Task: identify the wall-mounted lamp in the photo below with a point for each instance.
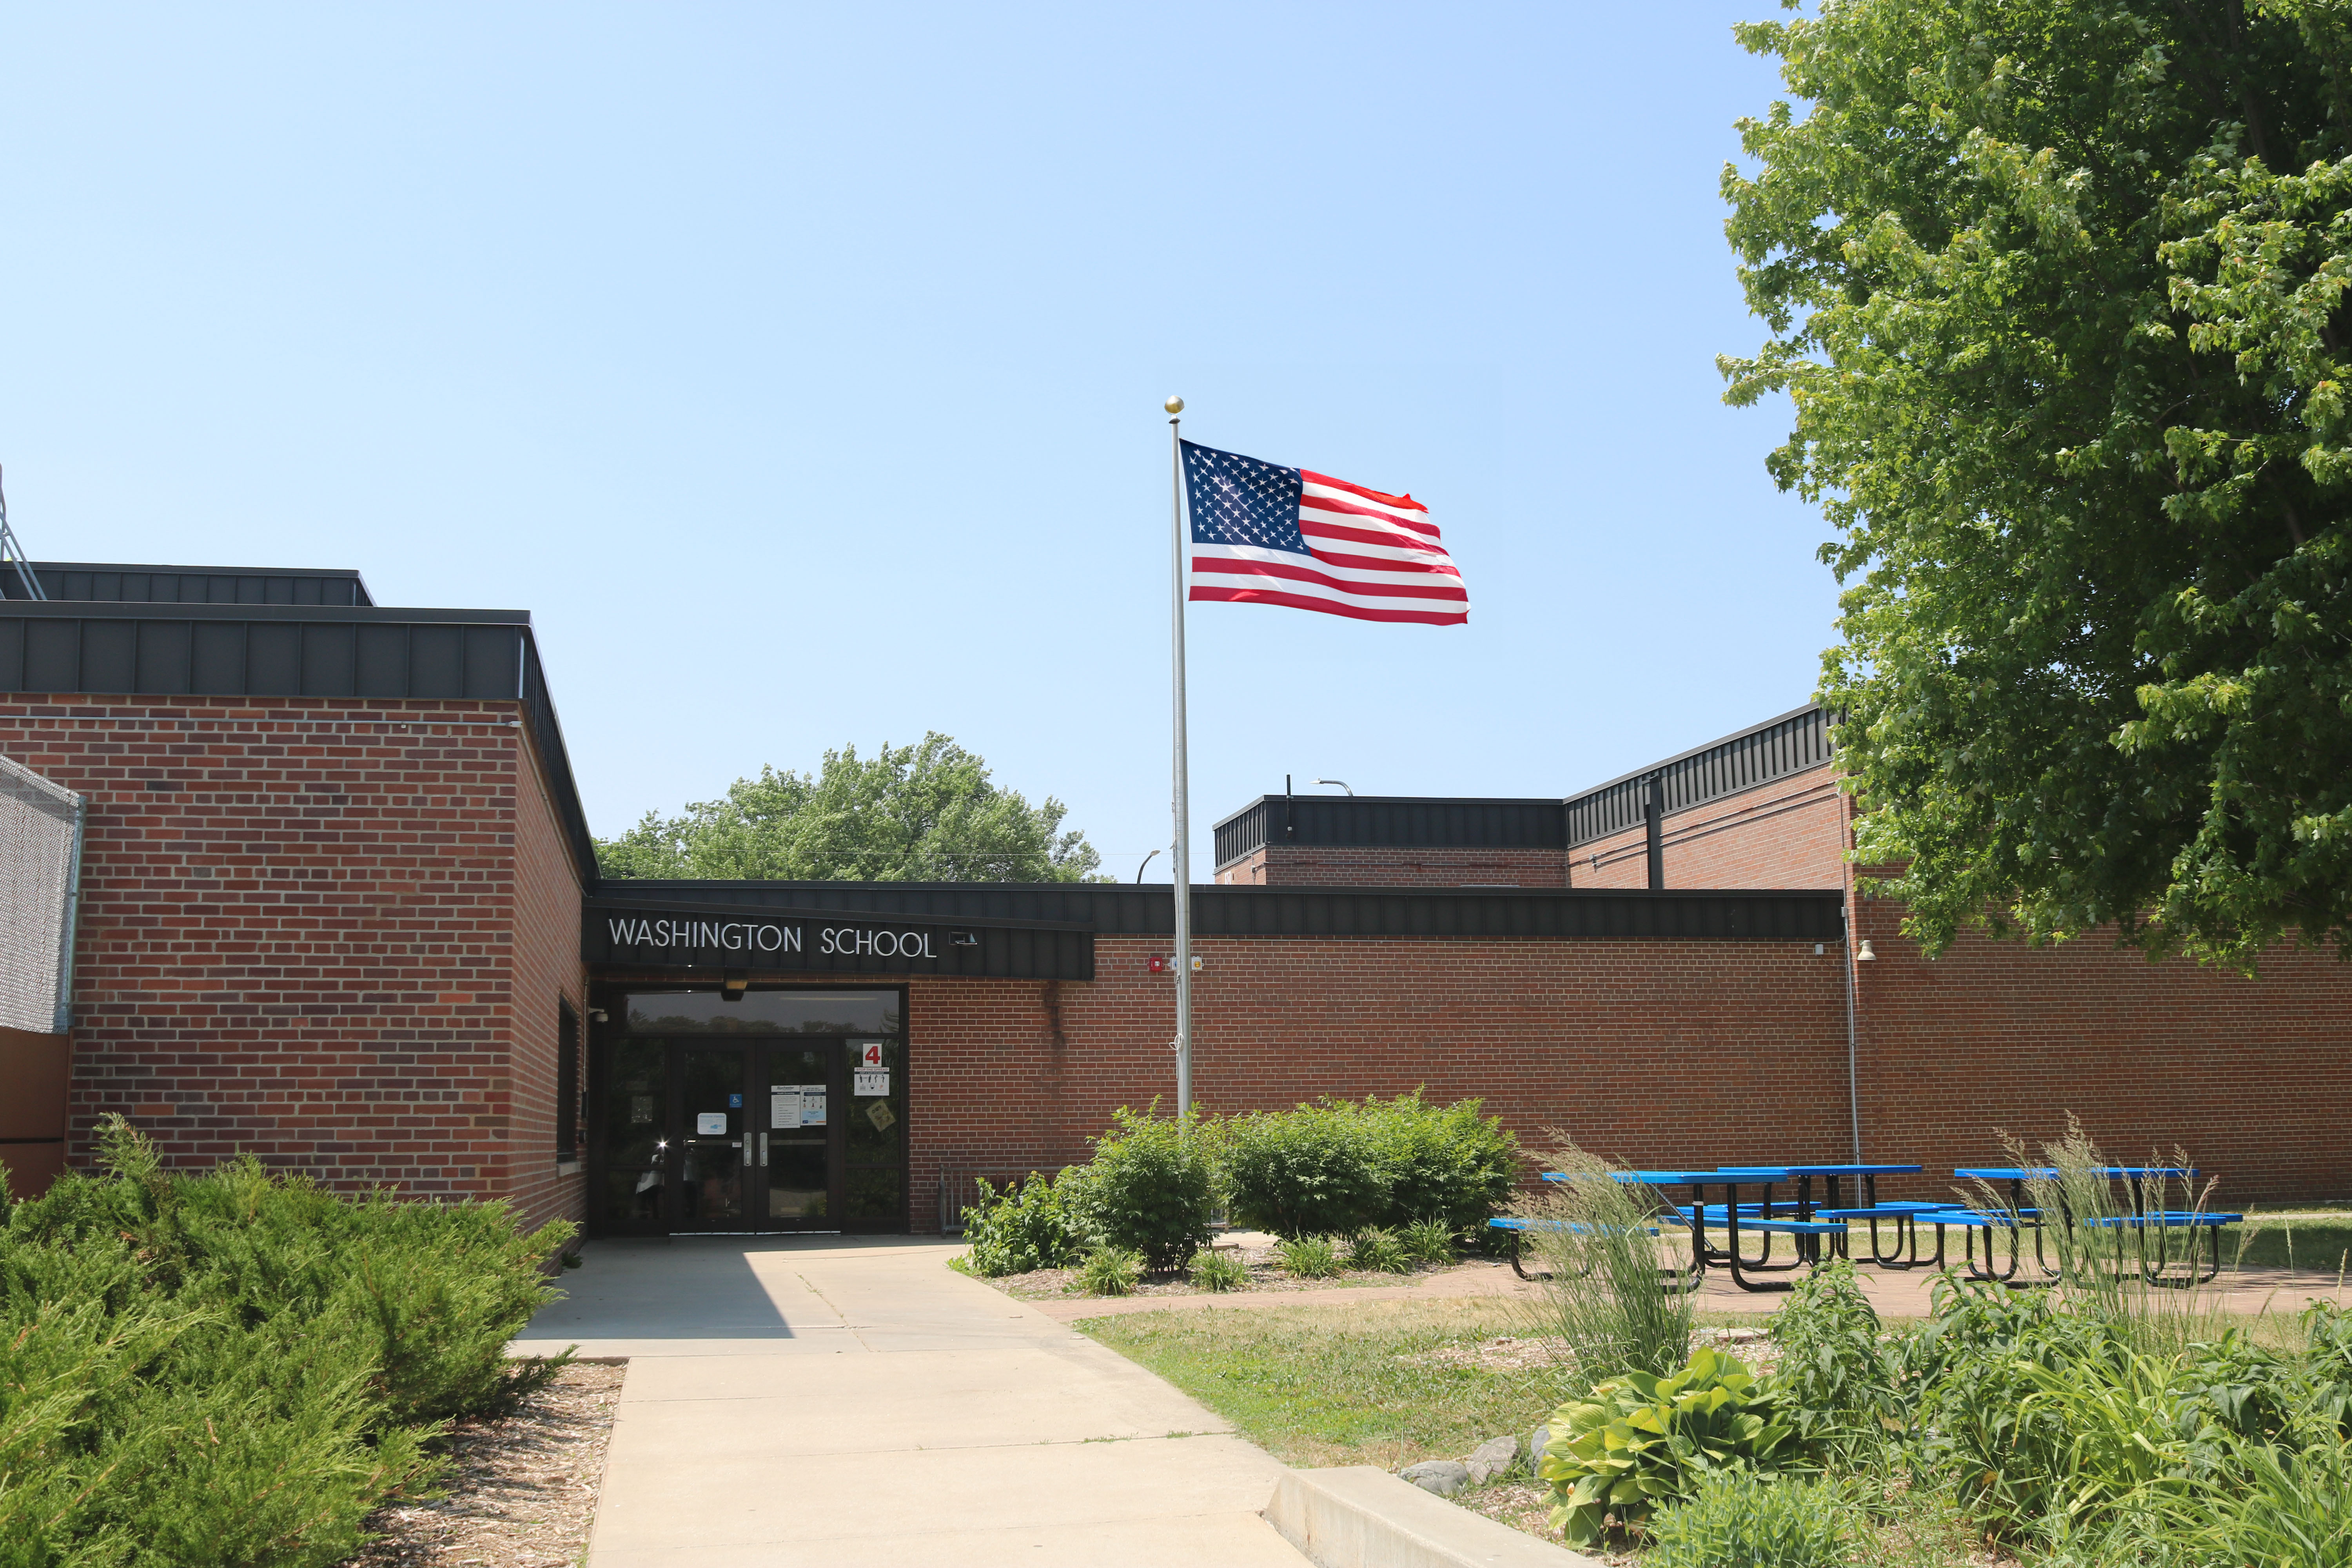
(1341, 783)
(964, 939)
(1866, 955)
(597, 1013)
(732, 984)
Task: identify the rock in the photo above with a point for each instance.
(1536, 1449)
(1444, 1476)
(1490, 1458)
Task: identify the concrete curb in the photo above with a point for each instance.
(1358, 1516)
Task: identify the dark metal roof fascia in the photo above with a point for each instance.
(169, 665)
(1394, 800)
(1391, 822)
(1149, 909)
(45, 570)
(1642, 773)
(607, 898)
(1749, 759)
(1106, 907)
(144, 610)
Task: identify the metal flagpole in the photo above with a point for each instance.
(1183, 1041)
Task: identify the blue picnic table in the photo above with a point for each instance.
(2018, 1218)
(1813, 1235)
(1821, 1231)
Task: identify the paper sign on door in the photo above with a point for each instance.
(877, 1081)
(793, 1105)
(710, 1124)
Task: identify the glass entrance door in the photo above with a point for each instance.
(800, 1155)
(777, 1111)
(713, 1124)
(760, 1146)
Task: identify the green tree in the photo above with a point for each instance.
(924, 812)
(2057, 289)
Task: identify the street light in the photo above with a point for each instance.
(1341, 783)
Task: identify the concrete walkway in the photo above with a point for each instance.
(853, 1401)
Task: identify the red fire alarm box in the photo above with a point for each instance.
(1157, 963)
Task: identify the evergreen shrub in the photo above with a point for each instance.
(233, 1370)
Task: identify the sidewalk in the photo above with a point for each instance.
(851, 1401)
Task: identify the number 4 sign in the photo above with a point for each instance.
(869, 1054)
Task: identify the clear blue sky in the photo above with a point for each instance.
(800, 369)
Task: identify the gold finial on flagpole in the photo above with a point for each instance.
(1175, 406)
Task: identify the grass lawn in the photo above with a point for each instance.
(2316, 1243)
(1384, 1384)
(1389, 1383)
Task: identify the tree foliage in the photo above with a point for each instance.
(924, 812)
(2058, 291)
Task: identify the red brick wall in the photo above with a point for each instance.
(1667, 1052)
(2250, 1077)
(304, 943)
(1789, 833)
(1307, 866)
(547, 969)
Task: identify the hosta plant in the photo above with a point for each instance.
(1642, 1440)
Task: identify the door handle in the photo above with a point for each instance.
(763, 1151)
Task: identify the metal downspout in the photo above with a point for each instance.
(1852, 1088)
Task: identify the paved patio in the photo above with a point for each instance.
(852, 1400)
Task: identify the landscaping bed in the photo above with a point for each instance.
(1260, 1258)
(2102, 1421)
(239, 1369)
(518, 1491)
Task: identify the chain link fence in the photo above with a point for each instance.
(40, 872)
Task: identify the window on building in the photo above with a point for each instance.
(567, 1083)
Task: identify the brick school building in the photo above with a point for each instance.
(337, 905)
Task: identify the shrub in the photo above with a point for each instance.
(1214, 1270)
(1835, 1382)
(1111, 1271)
(1606, 1297)
(1642, 1440)
(1339, 1167)
(236, 1368)
(1736, 1518)
(1429, 1241)
(1027, 1226)
(1150, 1188)
(1309, 1256)
(1307, 1172)
(1447, 1161)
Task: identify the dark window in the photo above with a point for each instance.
(788, 1012)
(567, 1083)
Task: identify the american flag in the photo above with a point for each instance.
(1269, 535)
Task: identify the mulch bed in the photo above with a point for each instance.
(1265, 1273)
(520, 1491)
